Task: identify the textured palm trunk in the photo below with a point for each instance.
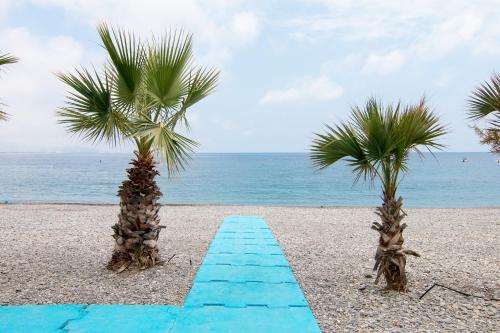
(136, 233)
(390, 258)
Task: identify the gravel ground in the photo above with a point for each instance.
(57, 254)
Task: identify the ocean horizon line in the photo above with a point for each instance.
(446, 179)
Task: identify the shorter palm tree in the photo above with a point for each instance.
(6, 59)
(376, 143)
(484, 103)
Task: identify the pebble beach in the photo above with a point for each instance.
(58, 253)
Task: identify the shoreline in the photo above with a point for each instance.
(229, 205)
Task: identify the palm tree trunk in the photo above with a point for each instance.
(137, 230)
(390, 258)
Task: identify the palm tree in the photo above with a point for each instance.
(376, 143)
(6, 59)
(484, 103)
(141, 95)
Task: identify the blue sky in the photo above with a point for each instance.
(288, 67)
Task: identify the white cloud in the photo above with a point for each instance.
(39, 57)
(219, 26)
(4, 8)
(421, 30)
(367, 19)
(446, 37)
(31, 90)
(33, 93)
(385, 63)
(373, 37)
(245, 26)
(449, 35)
(315, 89)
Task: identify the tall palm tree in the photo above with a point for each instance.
(484, 103)
(141, 95)
(376, 143)
(6, 59)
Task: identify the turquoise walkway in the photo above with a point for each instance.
(244, 285)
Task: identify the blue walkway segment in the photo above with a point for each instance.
(244, 285)
(254, 273)
(124, 318)
(246, 294)
(214, 319)
(247, 259)
(47, 318)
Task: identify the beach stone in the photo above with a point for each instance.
(58, 253)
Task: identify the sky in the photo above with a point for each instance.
(288, 67)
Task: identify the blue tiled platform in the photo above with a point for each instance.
(244, 285)
(246, 320)
(38, 318)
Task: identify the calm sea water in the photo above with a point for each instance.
(250, 179)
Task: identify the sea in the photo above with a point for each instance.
(272, 179)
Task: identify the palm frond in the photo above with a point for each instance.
(495, 122)
(375, 126)
(376, 141)
(341, 142)
(200, 84)
(4, 115)
(6, 59)
(418, 126)
(142, 94)
(89, 110)
(485, 99)
(127, 57)
(167, 63)
(173, 148)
